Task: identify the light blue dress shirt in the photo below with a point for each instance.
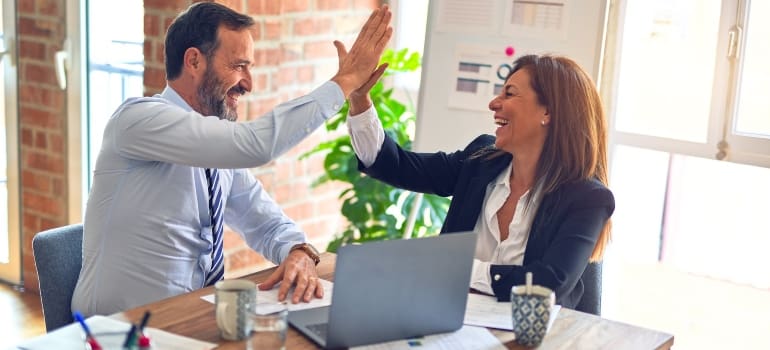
(147, 224)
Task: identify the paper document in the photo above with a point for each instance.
(467, 337)
(110, 334)
(271, 296)
(486, 311)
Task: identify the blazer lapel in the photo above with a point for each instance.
(467, 202)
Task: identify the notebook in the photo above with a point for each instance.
(392, 290)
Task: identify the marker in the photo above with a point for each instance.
(89, 337)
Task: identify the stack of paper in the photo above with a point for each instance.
(110, 334)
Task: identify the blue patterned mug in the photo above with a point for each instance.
(531, 311)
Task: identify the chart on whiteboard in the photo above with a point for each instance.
(479, 76)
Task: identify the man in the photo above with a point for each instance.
(172, 168)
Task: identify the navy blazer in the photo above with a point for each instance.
(564, 231)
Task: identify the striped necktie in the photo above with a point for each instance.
(215, 209)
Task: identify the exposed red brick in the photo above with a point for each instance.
(30, 223)
(299, 210)
(56, 143)
(30, 116)
(271, 7)
(160, 53)
(41, 141)
(267, 57)
(332, 4)
(244, 262)
(255, 7)
(50, 7)
(288, 6)
(231, 239)
(305, 74)
(27, 138)
(32, 50)
(58, 187)
(46, 224)
(35, 27)
(320, 49)
(236, 5)
(154, 79)
(152, 25)
(44, 162)
(176, 5)
(366, 4)
(272, 30)
(39, 73)
(312, 26)
(261, 106)
(286, 76)
(34, 181)
(25, 7)
(259, 82)
(42, 204)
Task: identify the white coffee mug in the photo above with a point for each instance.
(235, 301)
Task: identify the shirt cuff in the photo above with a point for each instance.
(330, 97)
(480, 280)
(366, 135)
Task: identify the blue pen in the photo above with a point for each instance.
(89, 337)
(129, 343)
(144, 340)
(145, 318)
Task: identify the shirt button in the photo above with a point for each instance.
(336, 106)
(497, 277)
(307, 130)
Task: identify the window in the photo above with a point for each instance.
(690, 156)
(115, 65)
(686, 75)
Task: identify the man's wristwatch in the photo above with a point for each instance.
(309, 250)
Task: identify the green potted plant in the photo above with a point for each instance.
(374, 210)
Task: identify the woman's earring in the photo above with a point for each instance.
(542, 122)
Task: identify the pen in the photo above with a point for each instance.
(144, 340)
(89, 337)
(145, 318)
(130, 337)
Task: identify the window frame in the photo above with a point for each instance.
(722, 142)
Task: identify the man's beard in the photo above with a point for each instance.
(213, 99)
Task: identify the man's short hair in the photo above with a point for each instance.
(197, 27)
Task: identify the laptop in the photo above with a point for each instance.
(392, 290)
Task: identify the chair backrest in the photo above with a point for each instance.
(58, 257)
(591, 302)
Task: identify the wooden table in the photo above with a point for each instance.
(191, 316)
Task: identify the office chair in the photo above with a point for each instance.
(591, 302)
(58, 256)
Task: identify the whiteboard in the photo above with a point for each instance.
(470, 46)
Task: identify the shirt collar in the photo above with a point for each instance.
(504, 179)
(170, 94)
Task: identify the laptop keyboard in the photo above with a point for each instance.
(319, 329)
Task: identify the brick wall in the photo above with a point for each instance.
(42, 122)
(294, 54)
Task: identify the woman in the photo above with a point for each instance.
(535, 193)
